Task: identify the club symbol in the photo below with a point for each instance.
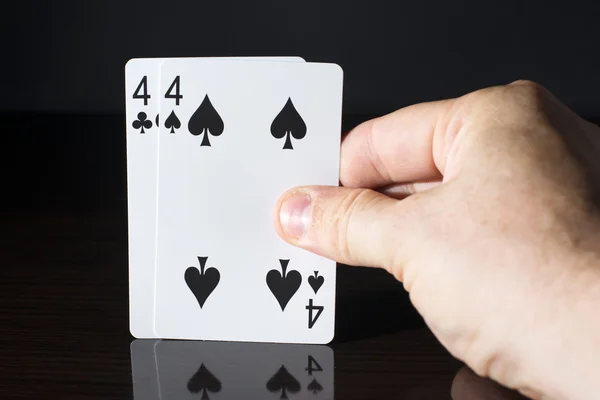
(204, 381)
(288, 123)
(142, 122)
(315, 387)
(283, 286)
(156, 120)
(206, 120)
(284, 383)
(202, 283)
(172, 122)
(316, 281)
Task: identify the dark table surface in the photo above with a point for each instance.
(64, 291)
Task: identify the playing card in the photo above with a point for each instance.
(143, 370)
(249, 131)
(143, 96)
(221, 370)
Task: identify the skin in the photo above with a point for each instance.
(485, 207)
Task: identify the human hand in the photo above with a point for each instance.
(481, 208)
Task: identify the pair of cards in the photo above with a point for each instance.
(211, 144)
(216, 370)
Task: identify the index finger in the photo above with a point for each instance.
(407, 145)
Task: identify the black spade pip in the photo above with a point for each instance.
(172, 122)
(206, 120)
(284, 383)
(289, 124)
(316, 281)
(203, 282)
(283, 285)
(315, 387)
(203, 381)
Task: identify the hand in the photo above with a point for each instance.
(480, 207)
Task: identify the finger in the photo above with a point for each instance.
(402, 190)
(404, 146)
(350, 226)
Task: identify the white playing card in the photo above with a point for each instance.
(220, 263)
(143, 95)
(219, 371)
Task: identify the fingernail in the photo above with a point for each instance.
(295, 215)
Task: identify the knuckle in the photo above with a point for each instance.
(519, 102)
(521, 92)
(528, 92)
(401, 263)
(526, 83)
(377, 164)
(396, 269)
(343, 218)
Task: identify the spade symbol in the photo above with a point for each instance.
(202, 283)
(156, 120)
(283, 286)
(284, 383)
(315, 387)
(288, 123)
(206, 120)
(142, 122)
(316, 281)
(204, 381)
(172, 122)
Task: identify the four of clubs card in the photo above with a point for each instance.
(237, 133)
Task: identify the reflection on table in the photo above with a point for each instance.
(227, 370)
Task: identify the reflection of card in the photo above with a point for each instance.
(217, 370)
(143, 370)
(143, 96)
(248, 131)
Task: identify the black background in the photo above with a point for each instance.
(69, 55)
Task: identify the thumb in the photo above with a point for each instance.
(350, 226)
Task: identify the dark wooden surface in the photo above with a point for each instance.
(64, 290)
